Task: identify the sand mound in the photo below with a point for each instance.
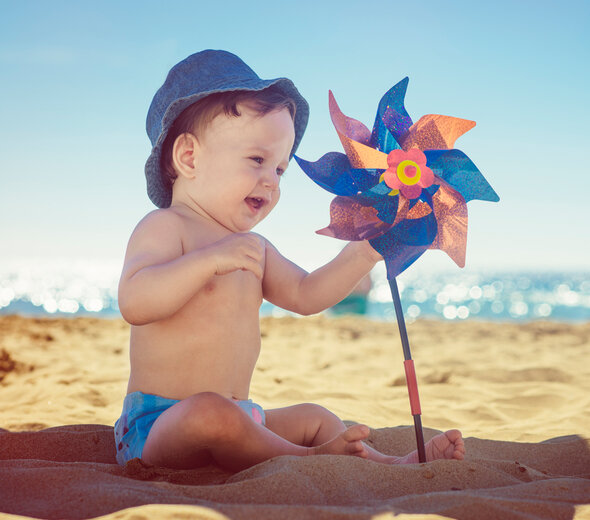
(70, 472)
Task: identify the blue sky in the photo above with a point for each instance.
(78, 77)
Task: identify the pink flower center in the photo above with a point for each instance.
(410, 171)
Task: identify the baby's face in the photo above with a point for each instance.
(238, 166)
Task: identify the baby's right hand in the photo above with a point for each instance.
(239, 251)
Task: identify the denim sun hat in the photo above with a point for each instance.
(206, 72)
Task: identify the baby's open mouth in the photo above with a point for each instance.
(255, 202)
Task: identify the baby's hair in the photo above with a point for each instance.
(195, 118)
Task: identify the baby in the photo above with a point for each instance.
(195, 275)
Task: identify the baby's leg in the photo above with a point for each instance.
(208, 428)
(314, 426)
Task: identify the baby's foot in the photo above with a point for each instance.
(348, 442)
(448, 445)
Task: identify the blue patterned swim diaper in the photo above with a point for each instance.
(140, 412)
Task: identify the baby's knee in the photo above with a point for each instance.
(213, 415)
(319, 412)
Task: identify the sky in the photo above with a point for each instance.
(77, 79)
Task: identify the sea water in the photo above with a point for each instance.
(89, 288)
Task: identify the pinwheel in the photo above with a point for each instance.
(403, 187)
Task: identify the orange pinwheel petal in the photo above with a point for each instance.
(435, 132)
(451, 215)
(419, 210)
(355, 136)
(361, 156)
(350, 220)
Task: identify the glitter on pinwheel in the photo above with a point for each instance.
(403, 187)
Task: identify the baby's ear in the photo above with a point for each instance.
(184, 154)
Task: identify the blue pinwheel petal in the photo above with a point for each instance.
(384, 141)
(332, 172)
(425, 196)
(392, 120)
(431, 190)
(398, 257)
(378, 196)
(411, 232)
(395, 265)
(366, 179)
(455, 168)
(417, 232)
(404, 243)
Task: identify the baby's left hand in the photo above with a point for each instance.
(364, 248)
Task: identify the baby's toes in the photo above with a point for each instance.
(356, 433)
(454, 436)
(357, 448)
(459, 453)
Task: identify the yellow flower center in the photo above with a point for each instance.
(401, 173)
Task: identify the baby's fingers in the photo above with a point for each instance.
(257, 246)
(254, 267)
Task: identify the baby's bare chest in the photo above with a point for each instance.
(238, 293)
(238, 290)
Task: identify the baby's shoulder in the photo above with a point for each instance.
(161, 223)
(160, 217)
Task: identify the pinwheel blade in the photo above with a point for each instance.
(404, 243)
(348, 126)
(455, 168)
(392, 121)
(435, 132)
(355, 139)
(351, 220)
(451, 217)
(331, 172)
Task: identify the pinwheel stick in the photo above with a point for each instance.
(410, 372)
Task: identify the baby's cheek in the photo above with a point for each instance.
(276, 195)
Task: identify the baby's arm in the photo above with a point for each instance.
(158, 279)
(292, 288)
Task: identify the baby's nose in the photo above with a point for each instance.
(271, 178)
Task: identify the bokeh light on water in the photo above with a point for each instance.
(89, 287)
(497, 296)
(59, 287)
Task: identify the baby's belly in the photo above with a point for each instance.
(178, 358)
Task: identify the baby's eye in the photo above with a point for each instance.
(257, 159)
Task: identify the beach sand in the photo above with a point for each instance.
(519, 392)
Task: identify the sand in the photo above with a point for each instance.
(520, 394)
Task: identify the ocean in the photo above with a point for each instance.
(89, 288)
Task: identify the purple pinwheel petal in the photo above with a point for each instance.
(397, 124)
(455, 168)
(332, 172)
(351, 220)
(348, 126)
(392, 120)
